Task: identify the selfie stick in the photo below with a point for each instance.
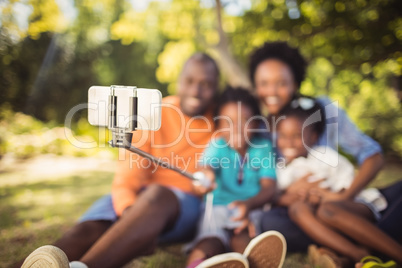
(121, 138)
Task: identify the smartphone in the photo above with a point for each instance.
(124, 107)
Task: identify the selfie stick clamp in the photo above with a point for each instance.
(121, 137)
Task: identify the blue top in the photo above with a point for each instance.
(341, 132)
(239, 178)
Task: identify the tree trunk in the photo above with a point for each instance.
(230, 67)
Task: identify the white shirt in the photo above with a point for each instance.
(336, 177)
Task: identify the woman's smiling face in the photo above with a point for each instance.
(275, 84)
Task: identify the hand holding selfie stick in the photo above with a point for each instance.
(132, 103)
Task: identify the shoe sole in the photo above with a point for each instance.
(321, 258)
(326, 261)
(268, 250)
(226, 260)
(46, 257)
(313, 255)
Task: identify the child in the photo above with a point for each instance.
(313, 175)
(241, 170)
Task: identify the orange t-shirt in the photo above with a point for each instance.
(180, 141)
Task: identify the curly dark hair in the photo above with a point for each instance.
(238, 94)
(283, 52)
(295, 109)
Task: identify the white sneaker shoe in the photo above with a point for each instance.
(78, 264)
(46, 257)
(226, 260)
(50, 257)
(268, 250)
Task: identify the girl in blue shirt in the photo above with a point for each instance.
(240, 166)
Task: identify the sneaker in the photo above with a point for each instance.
(314, 255)
(268, 250)
(226, 260)
(46, 257)
(326, 258)
(375, 262)
(78, 264)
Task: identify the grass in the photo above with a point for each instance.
(36, 210)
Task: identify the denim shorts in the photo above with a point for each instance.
(216, 222)
(391, 220)
(183, 230)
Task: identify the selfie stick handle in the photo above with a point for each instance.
(122, 139)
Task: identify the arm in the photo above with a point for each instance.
(364, 149)
(264, 196)
(266, 175)
(367, 172)
(297, 191)
(285, 199)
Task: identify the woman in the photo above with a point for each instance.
(277, 72)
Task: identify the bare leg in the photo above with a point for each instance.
(303, 215)
(356, 208)
(359, 228)
(205, 249)
(81, 237)
(155, 210)
(239, 242)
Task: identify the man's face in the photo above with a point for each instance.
(198, 85)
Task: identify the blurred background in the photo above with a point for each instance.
(52, 51)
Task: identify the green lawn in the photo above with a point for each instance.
(35, 212)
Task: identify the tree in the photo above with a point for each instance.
(353, 48)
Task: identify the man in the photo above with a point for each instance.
(150, 205)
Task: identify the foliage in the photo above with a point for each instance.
(23, 136)
(47, 73)
(353, 48)
(354, 53)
